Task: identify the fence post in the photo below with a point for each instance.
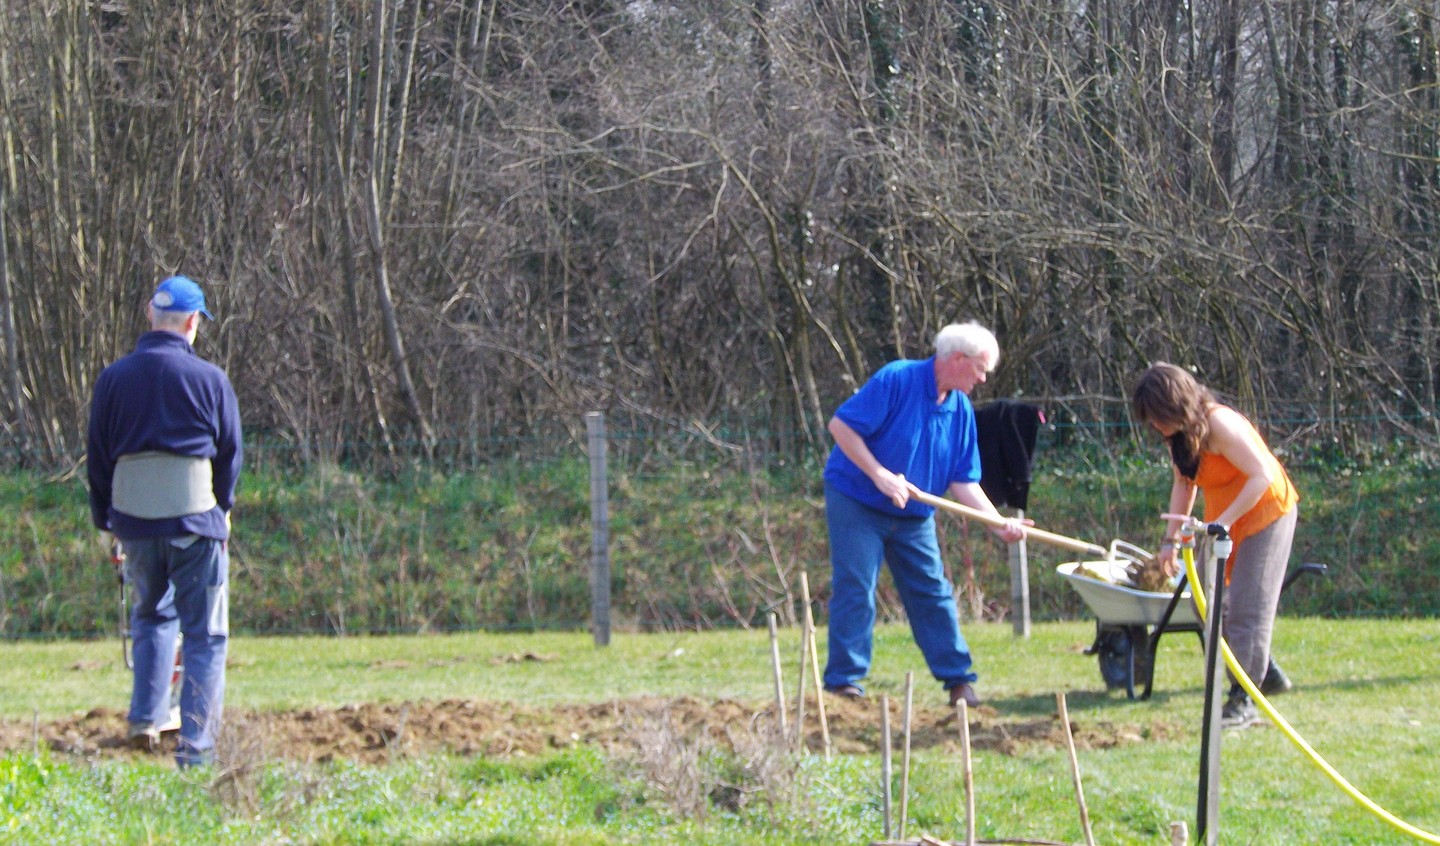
(1019, 584)
(599, 530)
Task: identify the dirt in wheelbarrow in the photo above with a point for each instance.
(382, 733)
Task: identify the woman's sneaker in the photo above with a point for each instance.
(1239, 712)
(1275, 681)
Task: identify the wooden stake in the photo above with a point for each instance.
(815, 663)
(779, 689)
(885, 759)
(1179, 834)
(1075, 769)
(804, 674)
(962, 715)
(905, 757)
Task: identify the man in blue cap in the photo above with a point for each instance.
(163, 458)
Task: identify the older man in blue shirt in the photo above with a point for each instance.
(911, 423)
(163, 458)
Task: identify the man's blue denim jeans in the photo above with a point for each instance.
(860, 539)
(181, 584)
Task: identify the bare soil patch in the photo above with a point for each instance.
(379, 733)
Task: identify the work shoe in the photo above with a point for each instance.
(965, 692)
(1239, 712)
(1275, 681)
(172, 723)
(849, 691)
(143, 736)
(187, 758)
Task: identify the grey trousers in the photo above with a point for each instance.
(1253, 593)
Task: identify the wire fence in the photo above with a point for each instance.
(640, 441)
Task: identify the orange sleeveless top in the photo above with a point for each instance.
(1221, 481)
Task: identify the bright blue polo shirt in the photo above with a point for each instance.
(932, 444)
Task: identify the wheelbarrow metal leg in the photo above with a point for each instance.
(1153, 642)
(1130, 667)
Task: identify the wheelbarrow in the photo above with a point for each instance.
(1129, 621)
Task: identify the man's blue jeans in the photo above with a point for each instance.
(181, 584)
(860, 539)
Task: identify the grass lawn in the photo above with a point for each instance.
(1364, 699)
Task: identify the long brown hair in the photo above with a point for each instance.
(1169, 395)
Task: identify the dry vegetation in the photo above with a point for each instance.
(432, 226)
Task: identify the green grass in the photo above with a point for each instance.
(694, 548)
(1364, 699)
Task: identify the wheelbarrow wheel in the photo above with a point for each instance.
(1124, 655)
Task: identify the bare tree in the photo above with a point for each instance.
(445, 226)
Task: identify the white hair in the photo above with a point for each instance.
(169, 320)
(970, 338)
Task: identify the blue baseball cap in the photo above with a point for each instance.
(180, 293)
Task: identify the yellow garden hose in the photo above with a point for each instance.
(1289, 730)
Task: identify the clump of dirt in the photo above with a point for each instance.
(379, 733)
(1149, 576)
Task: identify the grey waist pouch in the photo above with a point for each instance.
(160, 485)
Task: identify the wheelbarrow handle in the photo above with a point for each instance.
(1308, 568)
(1031, 533)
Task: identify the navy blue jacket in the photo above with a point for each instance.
(163, 397)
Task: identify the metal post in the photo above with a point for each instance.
(599, 530)
(1207, 812)
(1019, 584)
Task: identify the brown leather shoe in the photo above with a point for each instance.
(965, 692)
(849, 691)
(143, 736)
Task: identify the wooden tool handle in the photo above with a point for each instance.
(1031, 533)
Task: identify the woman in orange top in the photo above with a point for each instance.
(1216, 451)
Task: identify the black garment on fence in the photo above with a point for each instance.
(1006, 430)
